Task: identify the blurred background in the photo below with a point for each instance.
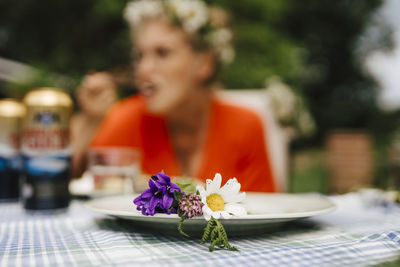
(339, 58)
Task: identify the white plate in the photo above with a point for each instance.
(266, 212)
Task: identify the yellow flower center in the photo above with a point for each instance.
(191, 14)
(215, 202)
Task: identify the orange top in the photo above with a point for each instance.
(234, 147)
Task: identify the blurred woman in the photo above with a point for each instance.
(176, 121)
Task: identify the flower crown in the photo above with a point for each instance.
(193, 16)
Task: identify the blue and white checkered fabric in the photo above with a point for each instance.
(351, 236)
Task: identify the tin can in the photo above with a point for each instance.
(11, 115)
(45, 149)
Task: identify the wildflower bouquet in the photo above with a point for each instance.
(212, 202)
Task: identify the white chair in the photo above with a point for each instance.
(277, 138)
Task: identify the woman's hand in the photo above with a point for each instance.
(97, 94)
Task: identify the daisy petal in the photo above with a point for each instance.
(201, 190)
(207, 216)
(208, 182)
(231, 187)
(235, 209)
(213, 185)
(225, 215)
(206, 210)
(234, 198)
(216, 214)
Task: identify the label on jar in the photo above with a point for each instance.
(46, 155)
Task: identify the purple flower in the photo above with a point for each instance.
(159, 196)
(191, 205)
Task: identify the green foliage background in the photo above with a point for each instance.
(310, 44)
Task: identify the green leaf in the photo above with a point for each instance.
(216, 234)
(207, 232)
(178, 195)
(175, 204)
(211, 247)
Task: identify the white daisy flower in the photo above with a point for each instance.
(306, 123)
(192, 13)
(226, 54)
(222, 201)
(174, 5)
(282, 99)
(221, 41)
(221, 37)
(137, 11)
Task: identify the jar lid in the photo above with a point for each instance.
(48, 96)
(12, 108)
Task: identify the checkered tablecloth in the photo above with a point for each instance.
(354, 235)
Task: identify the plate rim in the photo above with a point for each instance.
(268, 216)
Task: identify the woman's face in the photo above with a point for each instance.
(167, 69)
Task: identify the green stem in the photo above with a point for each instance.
(180, 224)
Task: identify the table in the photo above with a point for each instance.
(353, 235)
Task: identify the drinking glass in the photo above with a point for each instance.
(114, 169)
